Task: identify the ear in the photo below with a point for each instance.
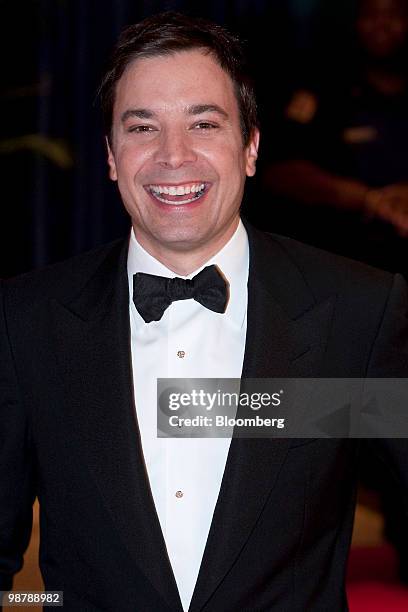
(111, 162)
(251, 151)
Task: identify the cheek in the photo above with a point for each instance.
(232, 163)
(364, 29)
(130, 160)
(400, 30)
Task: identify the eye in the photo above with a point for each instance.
(205, 125)
(139, 129)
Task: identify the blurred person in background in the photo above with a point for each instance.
(338, 156)
(338, 168)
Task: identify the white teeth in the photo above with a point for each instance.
(179, 190)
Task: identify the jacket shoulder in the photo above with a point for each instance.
(328, 272)
(67, 277)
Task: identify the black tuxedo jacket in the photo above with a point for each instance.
(282, 525)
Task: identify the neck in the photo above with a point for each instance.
(184, 261)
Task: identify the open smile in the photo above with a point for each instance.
(178, 195)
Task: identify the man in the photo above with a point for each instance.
(338, 156)
(133, 522)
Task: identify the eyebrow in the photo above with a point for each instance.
(139, 113)
(198, 109)
(195, 109)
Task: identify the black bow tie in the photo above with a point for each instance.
(153, 294)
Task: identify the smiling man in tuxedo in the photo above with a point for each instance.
(130, 521)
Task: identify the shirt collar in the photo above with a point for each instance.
(232, 260)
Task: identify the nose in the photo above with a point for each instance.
(174, 149)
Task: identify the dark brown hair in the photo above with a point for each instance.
(168, 33)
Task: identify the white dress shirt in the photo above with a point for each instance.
(185, 474)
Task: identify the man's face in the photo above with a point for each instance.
(178, 155)
(382, 27)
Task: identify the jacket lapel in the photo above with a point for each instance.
(286, 335)
(92, 336)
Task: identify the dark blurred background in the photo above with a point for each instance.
(331, 78)
(332, 86)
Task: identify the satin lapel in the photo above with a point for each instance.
(286, 335)
(92, 335)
